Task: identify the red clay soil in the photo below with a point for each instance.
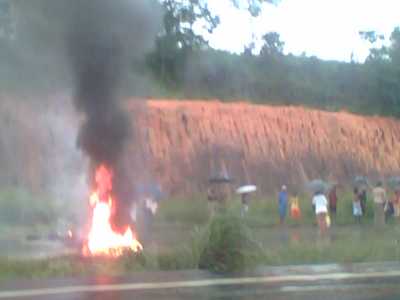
(180, 143)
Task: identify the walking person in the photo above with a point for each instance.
(357, 211)
(150, 209)
(245, 205)
(333, 200)
(282, 201)
(294, 202)
(321, 209)
(379, 200)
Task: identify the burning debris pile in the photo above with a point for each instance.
(103, 37)
(102, 240)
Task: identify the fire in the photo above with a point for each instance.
(70, 233)
(102, 240)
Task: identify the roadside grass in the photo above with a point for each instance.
(373, 249)
(225, 245)
(221, 244)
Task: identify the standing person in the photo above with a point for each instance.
(245, 205)
(357, 212)
(333, 200)
(133, 211)
(389, 209)
(321, 209)
(222, 195)
(282, 200)
(379, 199)
(363, 200)
(396, 204)
(210, 200)
(150, 209)
(294, 202)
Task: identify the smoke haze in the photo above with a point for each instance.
(103, 37)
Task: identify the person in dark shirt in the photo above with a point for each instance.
(211, 200)
(363, 200)
(282, 202)
(333, 200)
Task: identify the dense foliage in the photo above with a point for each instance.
(190, 69)
(197, 71)
(183, 65)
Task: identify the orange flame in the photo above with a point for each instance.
(102, 240)
(70, 233)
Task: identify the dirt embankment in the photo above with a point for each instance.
(180, 143)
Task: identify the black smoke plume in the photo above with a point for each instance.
(103, 38)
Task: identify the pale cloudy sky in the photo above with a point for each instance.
(327, 29)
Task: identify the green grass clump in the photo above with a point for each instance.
(58, 267)
(227, 246)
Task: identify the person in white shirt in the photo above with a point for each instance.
(134, 212)
(150, 208)
(321, 210)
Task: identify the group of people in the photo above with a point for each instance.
(325, 209)
(149, 207)
(284, 200)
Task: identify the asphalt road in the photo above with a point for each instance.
(328, 282)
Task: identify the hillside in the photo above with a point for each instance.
(180, 143)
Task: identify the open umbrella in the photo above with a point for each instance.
(247, 188)
(359, 180)
(150, 189)
(221, 177)
(394, 181)
(317, 185)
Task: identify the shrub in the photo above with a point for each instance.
(226, 246)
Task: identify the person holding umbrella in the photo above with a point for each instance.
(321, 210)
(211, 200)
(221, 179)
(245, 191)
(282, 201)
(363, 200)
(357, 211)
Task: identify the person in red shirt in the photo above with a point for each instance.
(333, 200)
(396, 204)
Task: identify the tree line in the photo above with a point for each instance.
(182, 65)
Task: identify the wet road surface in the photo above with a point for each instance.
(328, 282)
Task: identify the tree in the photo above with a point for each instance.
(178, 38)
(384, 66)
(273, 46)
(253, 6)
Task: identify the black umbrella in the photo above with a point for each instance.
(317, 185)
(221, 177)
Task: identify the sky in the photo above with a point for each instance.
(328, 29)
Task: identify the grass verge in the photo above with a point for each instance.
(225, 246)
